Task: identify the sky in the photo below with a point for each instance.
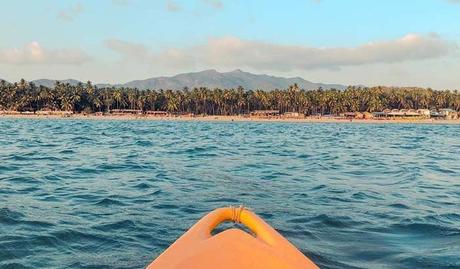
(379, 42)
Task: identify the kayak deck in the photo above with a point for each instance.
(232, 248)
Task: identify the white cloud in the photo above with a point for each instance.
(232, 52)
(454, 1)
(71, 13)
(121, 2)
(133, 51)
(34, 53)
(172, 6)
(214, 3)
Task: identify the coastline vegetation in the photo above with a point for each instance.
(87, 98)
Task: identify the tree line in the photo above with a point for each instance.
(88, 98)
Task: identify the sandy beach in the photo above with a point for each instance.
(230, 119)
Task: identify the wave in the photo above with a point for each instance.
(115, 194)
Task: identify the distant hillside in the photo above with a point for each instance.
(214, 79)
(211, 79)
(50, 83)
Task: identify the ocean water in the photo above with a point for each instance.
(115, 194)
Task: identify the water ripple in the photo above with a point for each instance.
(115, 194)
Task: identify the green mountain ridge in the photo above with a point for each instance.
(210, 79)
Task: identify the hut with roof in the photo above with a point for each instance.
(157, 113)
(291, 114)
(125, 112)
(448, 114)
(265, 113)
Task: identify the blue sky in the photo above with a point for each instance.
(385, 42)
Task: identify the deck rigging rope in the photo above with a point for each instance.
(236, 213)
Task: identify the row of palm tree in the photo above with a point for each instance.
(87, 98)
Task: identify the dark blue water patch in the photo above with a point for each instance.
(82, 196)
(109, 202)
(28, 190)
(18, 158)
(193, 210)
(452, 217)
(399, 206)
(34, 157)
(67, 151)
(425, 262)
(127, 165)
(299, 219)
(81, 140)
(87, 171)
(53, 177)
(222, 200)
(318, 187)
(9, 168)
(75, 236)
(333, 221)
(143, 186)
(166, 206)
(423, 229)
(23, 180)
(112, 166)
(13, 265)
(8, 216)
(119, 225)
(46, 197)
(156, 192)
(14, 248)
(144, 143)
(439, 169)
(366, 196)
(115, 194)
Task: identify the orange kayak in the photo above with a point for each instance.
(232, 248)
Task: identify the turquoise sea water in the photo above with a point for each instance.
(115, 194)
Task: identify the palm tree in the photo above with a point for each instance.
(151, 99)
(171, 101)
(86, 97)
(107, 98)
(118, 96)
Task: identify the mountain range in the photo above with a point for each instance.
(211, 79)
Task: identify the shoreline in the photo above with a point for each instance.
(233, 119)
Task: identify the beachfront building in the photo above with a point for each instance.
(402, 113)
(367, 115)
(435, 114)
(125, 112)
(157, 113)
(445, 113)
(184, 114)
(395, 113)
(424, 112)
(9, 112)
(44, 112)
(291, 114)
(448, 114)
(54, 113)
(353, 115)
(381, 114)
(265, 113)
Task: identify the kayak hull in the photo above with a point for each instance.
(232, 248)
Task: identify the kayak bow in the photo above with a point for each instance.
(232, 248)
